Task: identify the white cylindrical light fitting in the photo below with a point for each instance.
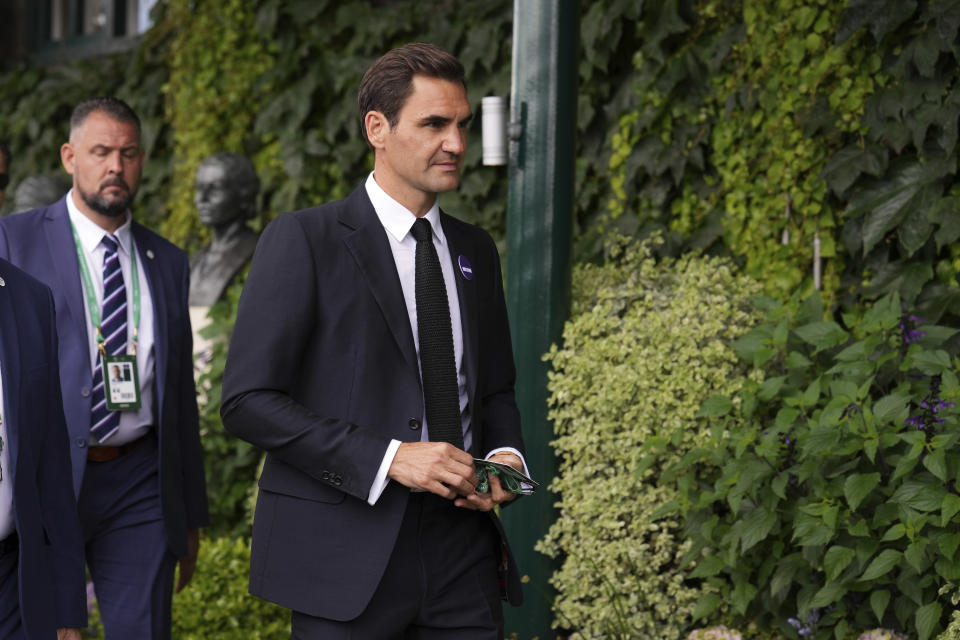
(494, 124)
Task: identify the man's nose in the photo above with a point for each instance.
(115, 164)
(455, 141)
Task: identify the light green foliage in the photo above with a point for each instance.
(216, 59)
(952, 632)
(645, 346)
(782, 85)
(216, 605)
(832, 496)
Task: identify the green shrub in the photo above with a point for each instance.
(646, 344)
(832, 498)
(216, 605)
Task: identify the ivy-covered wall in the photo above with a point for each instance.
(763, 131)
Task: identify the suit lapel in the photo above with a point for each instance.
(63, 257)
(370, 248)
(10, 367)
(147, 261)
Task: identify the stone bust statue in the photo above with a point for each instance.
(226, 192)
(38, 191)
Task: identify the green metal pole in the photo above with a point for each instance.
(539, 226)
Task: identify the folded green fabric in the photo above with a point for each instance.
(510, 479)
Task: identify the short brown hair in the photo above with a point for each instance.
(389, 81)
(115, 108)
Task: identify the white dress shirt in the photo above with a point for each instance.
(133, 424)
(397, 220)
(7, 524)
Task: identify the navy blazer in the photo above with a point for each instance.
(51, 567)
(322, 373)
(41, 243)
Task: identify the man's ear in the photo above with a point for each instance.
(67, 157)
(377, 127)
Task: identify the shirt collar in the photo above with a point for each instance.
(90, 233)
(397, 219)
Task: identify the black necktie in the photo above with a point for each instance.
(437, 363)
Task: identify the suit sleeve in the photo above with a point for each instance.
(275, 324)
(58, 504)
(191, 450)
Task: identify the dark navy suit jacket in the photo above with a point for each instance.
(322, 373)
(41, 243)
(51, 568)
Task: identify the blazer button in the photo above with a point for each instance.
(413, 423)
(85, 392)
(337, 480)
(325, 475)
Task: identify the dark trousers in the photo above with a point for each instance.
(126, 544)
(440, 583)
(10, 626)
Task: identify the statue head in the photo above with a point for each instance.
(226, 189)
(38, 191)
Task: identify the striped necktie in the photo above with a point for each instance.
(438, 367)
(113, 328)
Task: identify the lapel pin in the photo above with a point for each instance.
(466, 269)
(3, 282)
(150, 253)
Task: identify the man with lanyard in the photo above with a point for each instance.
(121, 299)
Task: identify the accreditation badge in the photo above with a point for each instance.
(121, 383)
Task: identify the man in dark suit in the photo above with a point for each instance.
(368, 524)
(121, 297)
(42, 592)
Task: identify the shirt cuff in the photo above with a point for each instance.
(526, 471)
(381, 480)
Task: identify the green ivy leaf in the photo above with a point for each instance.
(949, 508)
(822, 335)
(948, 569)
(920, 495)
(758, 523)
(829, 594)
(708, 566)
(749, 344)
(706, 605)
(916, 555)
(714, 407)
(895, 532)
(743, 594)
(846, 165)
(787, 568)
(878, 603)
(889, 407)
(885, 203)
(927, 619)
(796, 360)
(936, 463)
(946, 215)
(882, 564)
(931, 363)
(770, 387)
(836, 560)
(948, 543)
(858, 486)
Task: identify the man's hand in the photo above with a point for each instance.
(497, 494)
(189, 562)
(437, 467)
(69, 634)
